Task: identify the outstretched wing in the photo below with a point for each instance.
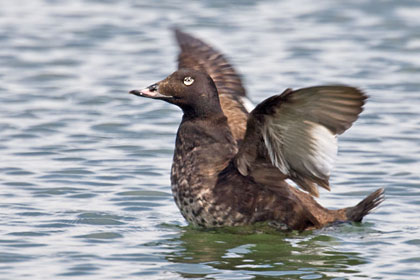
(295, 132)
(197, 55)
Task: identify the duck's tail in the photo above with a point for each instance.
(356, 213)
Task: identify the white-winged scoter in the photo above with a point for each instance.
(230, 166)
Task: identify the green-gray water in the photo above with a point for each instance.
(84, 169)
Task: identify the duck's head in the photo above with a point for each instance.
(193, 91)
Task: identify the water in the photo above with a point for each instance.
(84, 170)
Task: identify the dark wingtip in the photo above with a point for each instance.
(186, 40)
(175, 29)
(179, 34)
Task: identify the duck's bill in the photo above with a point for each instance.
(150, 92)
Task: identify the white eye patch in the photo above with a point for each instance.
(188, 81)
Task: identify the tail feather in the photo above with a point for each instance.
(356, 213)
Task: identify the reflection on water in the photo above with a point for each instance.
(235, 253)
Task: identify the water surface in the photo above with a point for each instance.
(84, 170)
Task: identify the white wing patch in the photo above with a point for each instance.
(247, 104)
(324, 151)
(304, 147)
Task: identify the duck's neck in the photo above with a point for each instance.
(203, 131)
(203, 146)
(209, 110)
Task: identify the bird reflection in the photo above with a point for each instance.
(247, 252)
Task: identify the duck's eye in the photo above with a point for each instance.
(188, 81)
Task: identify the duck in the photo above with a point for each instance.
(232, 166)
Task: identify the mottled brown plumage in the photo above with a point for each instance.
(215, 185)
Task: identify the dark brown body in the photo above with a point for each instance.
(210, 192)
(230, 165)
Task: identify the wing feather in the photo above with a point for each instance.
(296, 132)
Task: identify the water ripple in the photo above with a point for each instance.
(85, 167)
